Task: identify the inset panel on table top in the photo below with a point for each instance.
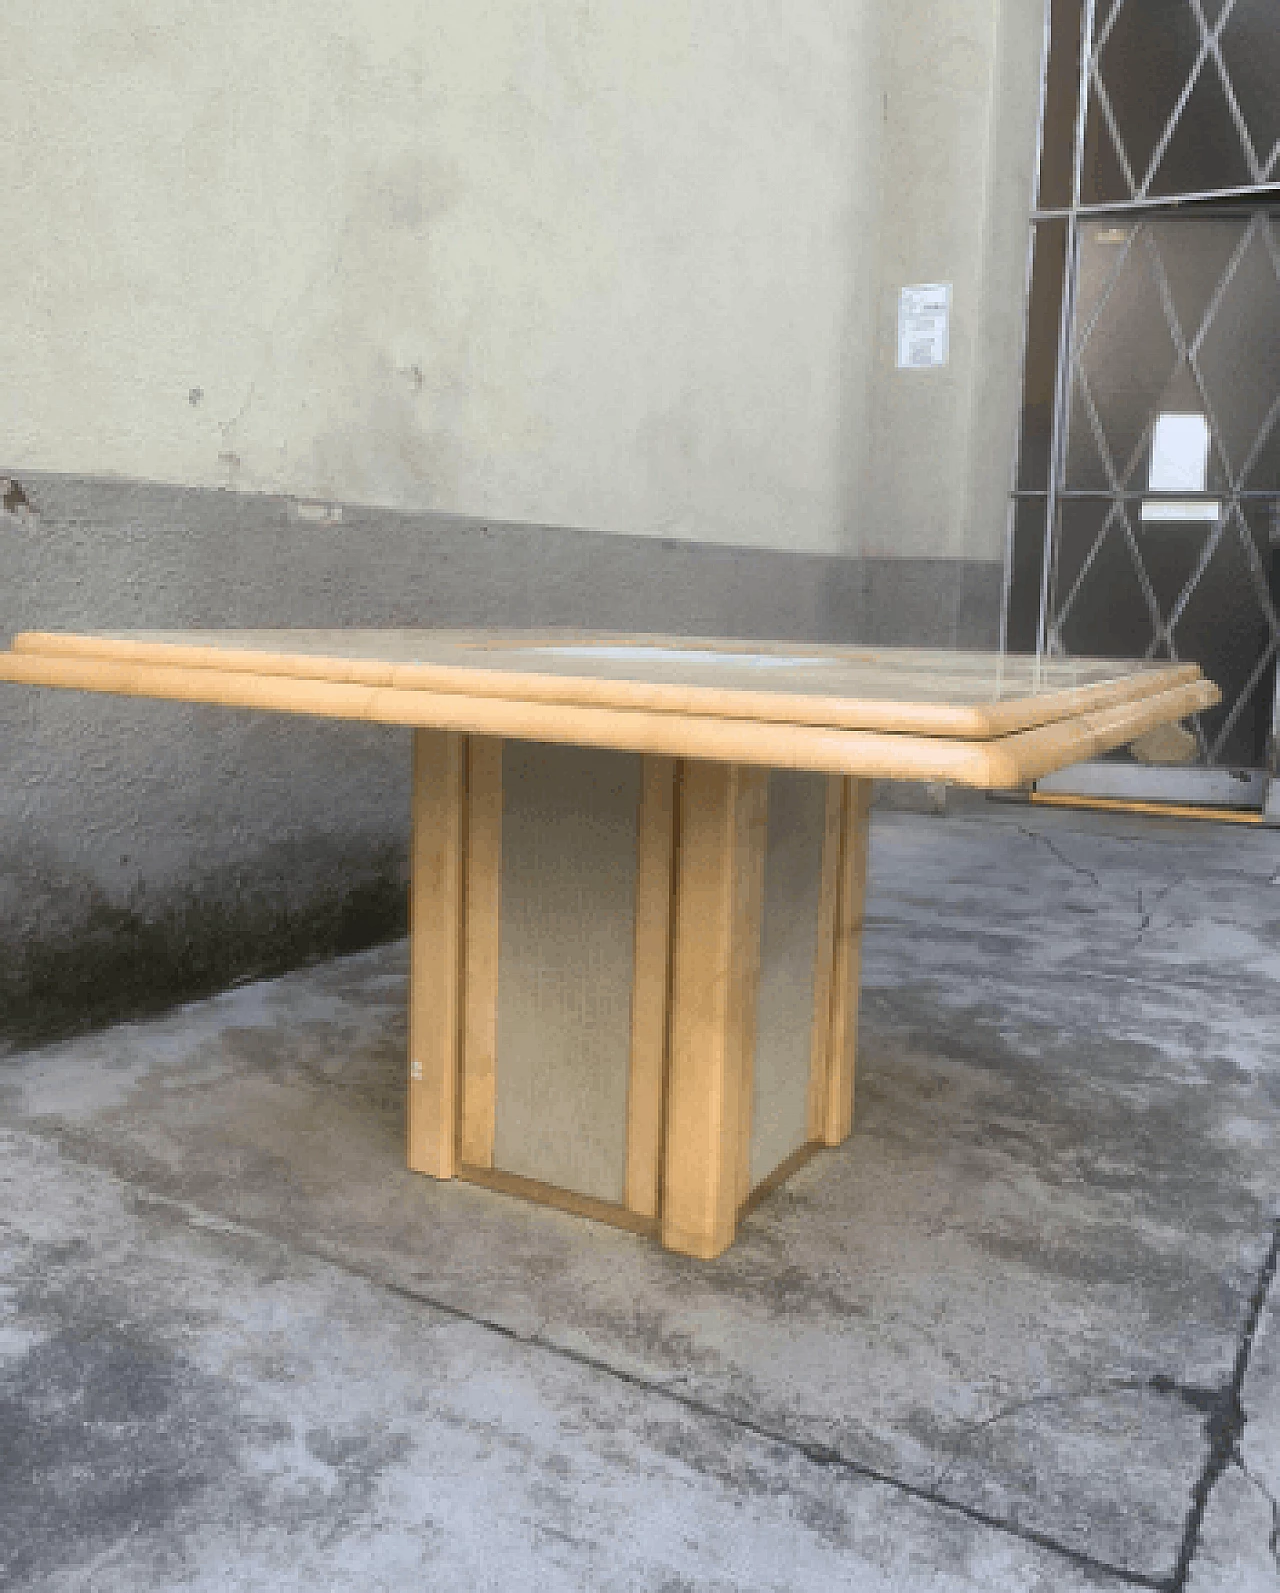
(920, 691)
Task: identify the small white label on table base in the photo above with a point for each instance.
(924, 326)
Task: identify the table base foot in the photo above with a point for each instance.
(702, 1025)
(540, 1194)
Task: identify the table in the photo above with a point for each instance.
(638, 869)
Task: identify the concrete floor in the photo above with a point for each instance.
(1019, 1333)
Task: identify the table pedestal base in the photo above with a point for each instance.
(634, 980)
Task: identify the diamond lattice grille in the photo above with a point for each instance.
(1181, 317)
(1182, 98)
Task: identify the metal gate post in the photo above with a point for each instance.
(1271, 805)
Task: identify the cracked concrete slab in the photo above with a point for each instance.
(192, 1404)
(982, 1341)
(1240, 1539)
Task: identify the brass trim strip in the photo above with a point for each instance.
(540, 1194)
(778, 1177)
(1160, 810)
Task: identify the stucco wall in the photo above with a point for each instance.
(961, 84)
(482, 273)
(152, 849)
(583, 264)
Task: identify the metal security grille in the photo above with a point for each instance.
(1182, 99)
(1146, 515)
(1156, 334)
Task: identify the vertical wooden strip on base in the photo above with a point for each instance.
(847, 966)
(718, 833)
(483, 909)
(752, 848)
(833, 853)
(650, 992)
(435, 952)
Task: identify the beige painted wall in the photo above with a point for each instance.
(592, 263)
(961, 101)
(618, 266)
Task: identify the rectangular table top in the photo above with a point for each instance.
(981, 719)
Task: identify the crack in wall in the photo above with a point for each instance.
(13, 498)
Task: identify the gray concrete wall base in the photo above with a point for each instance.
(77, 955)
(153, 851)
